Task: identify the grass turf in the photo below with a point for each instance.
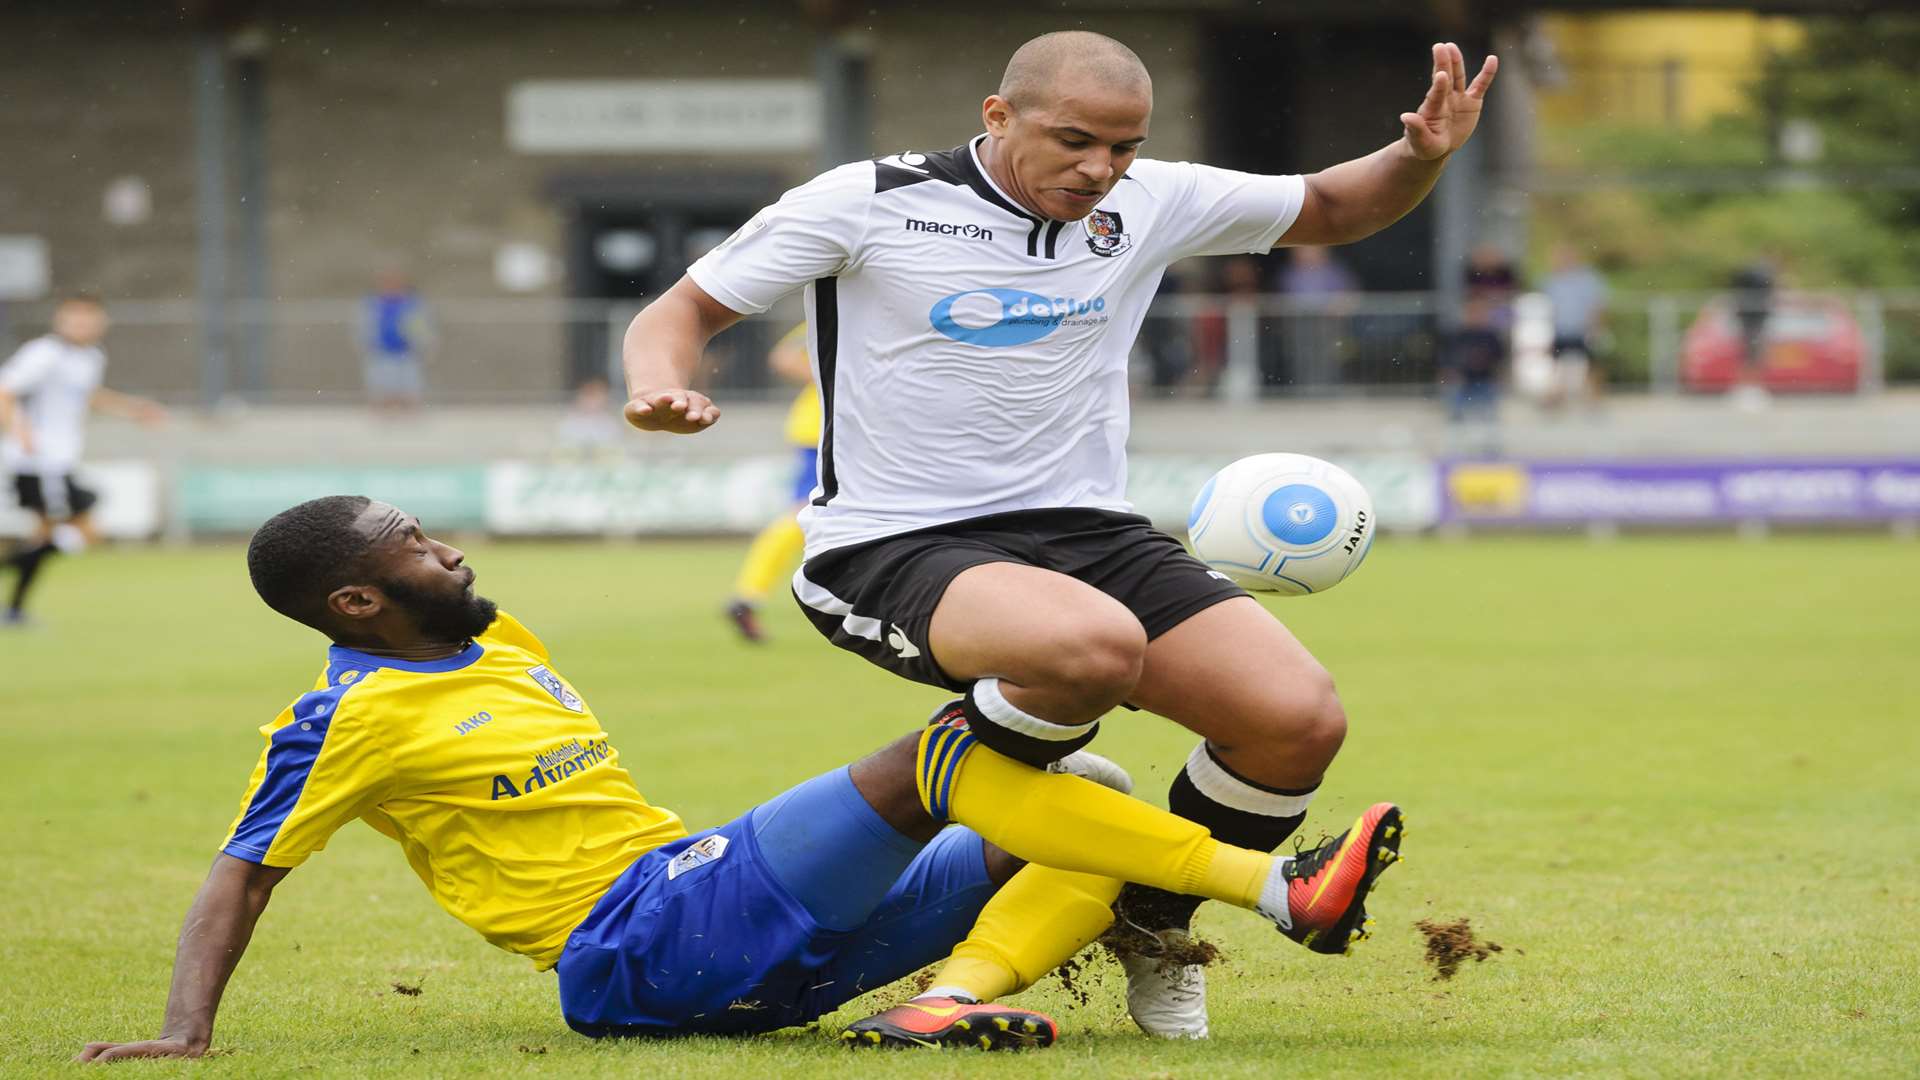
(1673, 777)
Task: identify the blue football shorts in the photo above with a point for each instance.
(771, 920)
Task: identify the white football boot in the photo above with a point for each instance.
(1167, 1000)
(1091, 766)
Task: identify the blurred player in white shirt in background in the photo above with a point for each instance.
(46, 391)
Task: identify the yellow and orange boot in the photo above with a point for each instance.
(947, 1021)
(1318, 896)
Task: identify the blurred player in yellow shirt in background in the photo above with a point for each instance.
(776, 549)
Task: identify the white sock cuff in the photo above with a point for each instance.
(948, 992)
(994, 706)
(1211, 779)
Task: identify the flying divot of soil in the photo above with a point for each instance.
(1450, 944)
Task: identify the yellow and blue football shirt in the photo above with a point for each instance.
(489, 770)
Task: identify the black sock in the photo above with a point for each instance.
(27, 561)
(1240, 824)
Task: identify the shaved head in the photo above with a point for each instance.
(1040, 65)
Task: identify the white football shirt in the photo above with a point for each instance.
(54, 381)
(972, 358)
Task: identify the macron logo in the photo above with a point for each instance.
(971, 232)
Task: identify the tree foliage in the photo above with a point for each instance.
(1715, 197)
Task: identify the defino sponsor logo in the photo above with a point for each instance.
(970, 231)
(997, 318)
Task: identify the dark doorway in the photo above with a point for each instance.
(1295, 98)
(630, 239)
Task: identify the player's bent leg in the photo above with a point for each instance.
(1061, 650)
(1236, 676)
(932, 906)
(769, 560)
(1029, 927)
(832, 849)
(1074, 824)
(1271, 723)
(666, 950)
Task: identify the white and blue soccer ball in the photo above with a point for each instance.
(1284, 523)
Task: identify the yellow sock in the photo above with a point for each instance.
(1068, 823)
(770, 559)
(1035, 923)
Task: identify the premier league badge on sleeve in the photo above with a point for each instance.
(1106, 237)
(561, 692)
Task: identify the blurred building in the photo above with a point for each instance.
(1679, 68)
(228, 155)
(579, 148)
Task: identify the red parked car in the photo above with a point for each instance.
(1812, 343)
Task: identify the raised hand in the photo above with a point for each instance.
(682, 412)
(1452, 107)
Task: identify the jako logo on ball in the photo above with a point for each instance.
(997, 318)
(1284, 523)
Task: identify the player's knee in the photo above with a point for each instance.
(1309, 717)
(1300, 719)
(1100, 661)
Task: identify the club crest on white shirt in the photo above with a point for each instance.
(561, 693)
(1106, 237)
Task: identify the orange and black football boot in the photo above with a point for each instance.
(1318, 896)
(945, 1021)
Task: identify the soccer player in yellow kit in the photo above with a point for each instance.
(442, 722)
(776, 549)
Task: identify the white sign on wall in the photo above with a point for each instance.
(610, 116)
(24, 270)
(129, 507)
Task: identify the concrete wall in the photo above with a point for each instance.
(386, 144)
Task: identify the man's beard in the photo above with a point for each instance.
(456, 618)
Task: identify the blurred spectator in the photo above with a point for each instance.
(1578, 295)
(590, 428)
(1472, 356)
(395, 336)
(1753, 287)
(1492, 278)
(1323, 292)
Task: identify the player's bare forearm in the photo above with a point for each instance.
(13, 419)
(212, 940)
(1355, 199)
(1358, 198)
(661, 352)
(130, 406)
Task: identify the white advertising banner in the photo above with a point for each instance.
(738, 496)
(632, 498)
(129, 508)
(627, 116)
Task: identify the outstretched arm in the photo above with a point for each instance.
(661, 351)
(216, 932)
(13, 419)
(1358, 198)
(131, 406)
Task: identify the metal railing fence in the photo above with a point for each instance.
(1228, 346)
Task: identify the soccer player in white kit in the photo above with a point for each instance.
(971, 313)
(46, 390)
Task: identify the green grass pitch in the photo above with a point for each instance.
(1674, 778)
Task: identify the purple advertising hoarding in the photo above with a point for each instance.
(1675, 492)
